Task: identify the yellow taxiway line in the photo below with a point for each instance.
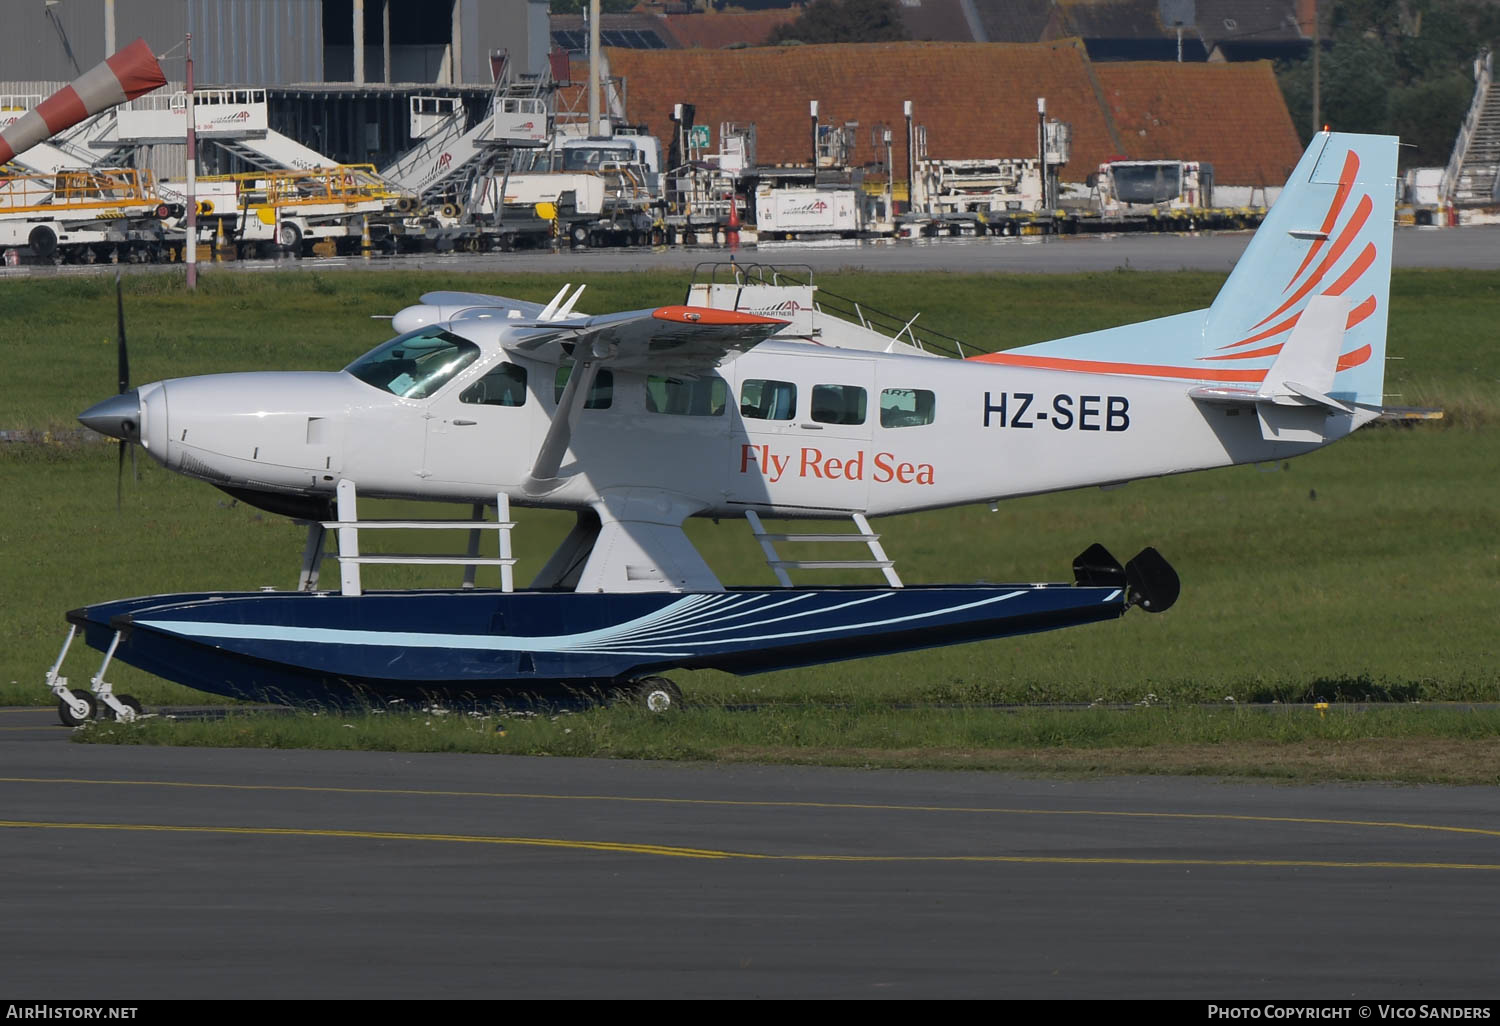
(674, 851)
(770, 804)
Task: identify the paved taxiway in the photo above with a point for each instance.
(1472, 248)
(151, 872)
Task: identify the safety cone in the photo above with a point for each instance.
(732, 236)
(219, 241)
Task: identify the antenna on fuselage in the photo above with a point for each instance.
(567, 309)
(551, 308)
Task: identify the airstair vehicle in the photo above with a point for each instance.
(448, 173)
(453, 153)
(1472, 178)
(234, 119)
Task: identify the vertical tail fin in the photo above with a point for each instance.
(1329, 235)
(1327, 239)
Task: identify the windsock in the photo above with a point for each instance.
(130, 73)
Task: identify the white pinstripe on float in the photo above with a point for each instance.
(642, 636)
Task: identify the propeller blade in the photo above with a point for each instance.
(124, 356)
(120, 477)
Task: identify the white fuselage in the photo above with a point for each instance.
(981, 432)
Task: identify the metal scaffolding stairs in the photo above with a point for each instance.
(1472, 178)
(274, 152)
(451, 161)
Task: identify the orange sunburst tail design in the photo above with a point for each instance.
(1326, 242)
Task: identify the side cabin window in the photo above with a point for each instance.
(503, 385)
(689, 397)
(417, 364)
(601, 394)
(838, 404)
(768, 400)
(907, 407)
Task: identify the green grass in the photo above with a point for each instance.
(1369, 570)
(1430, 744)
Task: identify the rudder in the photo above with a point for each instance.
(1329, 235)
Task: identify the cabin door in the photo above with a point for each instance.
(801, 439)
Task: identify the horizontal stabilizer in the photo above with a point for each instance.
(1319, 397)
(1293, 403)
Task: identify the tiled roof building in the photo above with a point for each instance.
(1230, 115)
(977, 100)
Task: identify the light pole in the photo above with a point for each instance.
(911, 162)
(890, 180)
(1317, 115)
(812, 109)
(594, 16)
(1041, 144)
(190, 250)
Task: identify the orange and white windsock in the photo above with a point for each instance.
(130, 73)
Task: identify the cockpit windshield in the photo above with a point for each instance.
(417, 364)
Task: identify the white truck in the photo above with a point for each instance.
(1143, 186)
(597, 189)
(799, 211)
(1168, 195)
(1421, 202)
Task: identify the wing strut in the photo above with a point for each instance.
(543, 477)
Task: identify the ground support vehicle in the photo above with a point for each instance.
(599, 191)
(261, 213)
(83, 215)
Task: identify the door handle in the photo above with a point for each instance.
(463, 423)
(811, 427)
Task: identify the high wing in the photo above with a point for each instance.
(662, 340)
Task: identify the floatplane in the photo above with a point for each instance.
(743, 402)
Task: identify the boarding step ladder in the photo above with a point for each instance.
(1472, 177)
(348, 527)
(879, 561)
